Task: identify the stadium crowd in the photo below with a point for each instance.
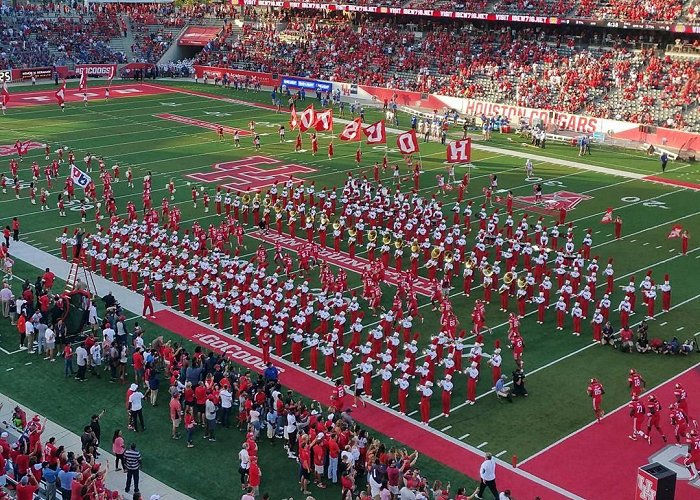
(611, 78)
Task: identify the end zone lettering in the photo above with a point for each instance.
(231, 350)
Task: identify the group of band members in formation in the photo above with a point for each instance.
(202, 271)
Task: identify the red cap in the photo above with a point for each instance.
(497, 344)
(479, 338)
(649, 272)
(610, 260)
(666, 277)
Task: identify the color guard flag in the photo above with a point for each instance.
(376, 133)
(5, 94)
(352, 130)
(307, 118)
(83, 80)
(459, 151)
(676, 231)
(79, 177)
(607, 217)
(294, 119)
(324, 120)
(61, 94)
(407, 142)
(110, 75)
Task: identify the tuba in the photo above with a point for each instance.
(435, 253)
(372, 235)
(415, 247)
(352, 232)
(246, 199)
(398, 244)
(386, 239)
(267, 202)
(324, 219)
(449, 257)
(336, 225)
(469, 264)
(487, 270)
(278, 207)
(256, 197)
(522, 283)
(508, 278)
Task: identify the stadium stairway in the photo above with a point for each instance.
(123, 44)
(114, 480)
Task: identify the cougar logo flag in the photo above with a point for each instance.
(351, 132)
(61, 94)
(607, 217)
(324, 120)
(83, 80)
(5, 94)
(307, 118)
(79, 177)
(460, 151)
(407, 142)
(675, 231)
(376, 133)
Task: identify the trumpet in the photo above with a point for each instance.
(522, 283)
(449, 256)
(386, 239)
(372, 235)
(508, 278)
(398, 243)
(487, 270)
(415, 247)
(435, 252)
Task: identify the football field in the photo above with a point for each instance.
(168, 129)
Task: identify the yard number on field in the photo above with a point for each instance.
(648, 203)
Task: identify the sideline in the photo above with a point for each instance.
(114, 480)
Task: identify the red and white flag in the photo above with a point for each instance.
(110, 75)
(607, 217)
(5, 94)
(408, 142)
(307, 118)
(324, 120)
(376, 133)
(83, 80)
(352, 131)
(676, 231)
(294, 119)
(61, 94)
(459, 151)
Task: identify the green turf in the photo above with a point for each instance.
(125, 130)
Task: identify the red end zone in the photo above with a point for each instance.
(74, 95)
(426, 441)
(600, 461)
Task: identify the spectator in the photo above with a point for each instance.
(136, 407)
